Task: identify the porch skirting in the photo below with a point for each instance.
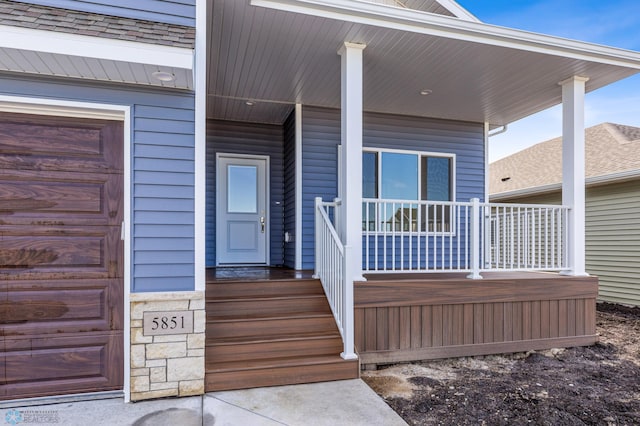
(410, 318)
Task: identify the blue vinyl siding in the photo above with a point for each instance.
(321, 135)
(177, 12)
(320, 140)
(162, 184)
(252, 139)
(290, 189)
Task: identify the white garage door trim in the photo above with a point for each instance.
(55, 107)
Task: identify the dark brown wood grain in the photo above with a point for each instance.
(61, 257)
(437, 322)
(275, 328)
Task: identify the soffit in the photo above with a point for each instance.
(58, 65)
(53, 53)
(278, 57)
(64, 43)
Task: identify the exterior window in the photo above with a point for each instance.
(370, 175)
(407, 176)
(399, 176)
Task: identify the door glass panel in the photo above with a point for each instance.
(242, 189)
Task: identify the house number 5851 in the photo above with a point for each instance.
(158, 323)
(167, 323)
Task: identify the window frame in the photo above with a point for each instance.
(419, 154)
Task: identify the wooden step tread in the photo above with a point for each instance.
(272, 363)
(263, 298)
(287, 316)
(212, 319)
(241, 340)
(258, 281)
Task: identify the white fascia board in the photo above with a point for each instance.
(95, 47)
(367, 13)
(524, 192)
(590, 181)
(613, 177)
(459, 11)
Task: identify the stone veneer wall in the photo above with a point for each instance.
(170, 365)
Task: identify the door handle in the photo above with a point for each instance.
(262, 224)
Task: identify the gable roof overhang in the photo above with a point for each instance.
(65, 43)
(95, 58)
(276, 53)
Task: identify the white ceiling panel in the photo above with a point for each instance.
(280, 57)
(44, 63)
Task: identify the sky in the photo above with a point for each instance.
(613, 23)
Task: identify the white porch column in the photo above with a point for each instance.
(573, 170)
(351, 139)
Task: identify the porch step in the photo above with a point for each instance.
(267, 333)
(278, 372)
(271, 288)
(280, 326)
(264, 307)
(301, 345)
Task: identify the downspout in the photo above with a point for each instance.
(487, 135)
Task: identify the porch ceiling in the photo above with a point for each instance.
(277, 58)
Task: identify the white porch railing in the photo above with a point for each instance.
(524, 237)
(427, 236)
(334, 268)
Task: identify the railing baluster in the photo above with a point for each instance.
(428, 236)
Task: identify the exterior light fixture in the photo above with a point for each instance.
(164, 76)
(425, 92)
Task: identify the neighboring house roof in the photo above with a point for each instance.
(92, 24)
(612, 152)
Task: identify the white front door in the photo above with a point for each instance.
(242, 199)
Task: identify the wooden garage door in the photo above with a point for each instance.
(61, 255)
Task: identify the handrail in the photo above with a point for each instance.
(474, 237)
(334, 268)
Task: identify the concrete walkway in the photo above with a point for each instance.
(347, 402)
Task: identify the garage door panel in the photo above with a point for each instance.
(62, 364)
(59, 143)
(29, 252)
(61, 255)
(68, 199)
(50, 197)
(39, 307)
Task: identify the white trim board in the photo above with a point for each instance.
(95, 47)
(298, 186)
(379, 15)
(200, 171)
(28, 105)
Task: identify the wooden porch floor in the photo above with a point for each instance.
(254, 273)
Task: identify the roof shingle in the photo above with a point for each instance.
(74, 22)
(609, 148)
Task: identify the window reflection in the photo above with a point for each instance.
(242, 189)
